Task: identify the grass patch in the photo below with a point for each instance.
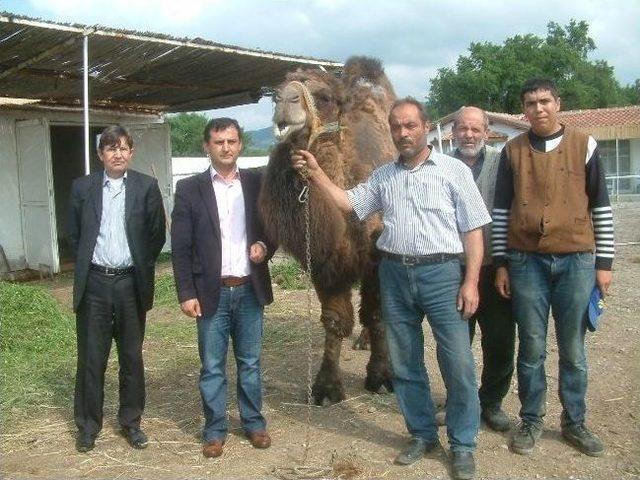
(37, 350)
(165, 291)
(164, 257)
(289, 275)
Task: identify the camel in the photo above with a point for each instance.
(343, 122)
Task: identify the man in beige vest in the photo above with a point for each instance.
(470, 131)
(552, 243)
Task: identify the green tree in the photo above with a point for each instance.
(491, 75)
(186, 134)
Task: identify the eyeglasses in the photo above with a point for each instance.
(113, 150)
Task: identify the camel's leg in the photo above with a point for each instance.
(378, 368)
(337, 318)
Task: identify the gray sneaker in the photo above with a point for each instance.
(581, 438)
(524, 437)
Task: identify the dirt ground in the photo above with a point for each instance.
(357, 438)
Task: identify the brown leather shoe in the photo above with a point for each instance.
(259, 439)
(213, 448)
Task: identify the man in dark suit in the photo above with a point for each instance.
(117, 229)
(219, 261)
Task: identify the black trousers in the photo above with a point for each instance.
(498, 340)
(109, 309)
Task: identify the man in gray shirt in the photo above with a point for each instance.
(427, 201)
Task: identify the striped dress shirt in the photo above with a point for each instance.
(424, 209)
(112, 247)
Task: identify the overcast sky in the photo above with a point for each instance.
(412, 38)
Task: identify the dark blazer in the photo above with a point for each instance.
(196, 250)
(145, 227)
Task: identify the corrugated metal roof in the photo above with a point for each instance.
(133, 70)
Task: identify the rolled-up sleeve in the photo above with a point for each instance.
(471, 211)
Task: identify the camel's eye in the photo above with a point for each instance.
(323, 99)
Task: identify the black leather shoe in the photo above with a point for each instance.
(85, 442)
(463, 466)
(415, 450)
(135, 437)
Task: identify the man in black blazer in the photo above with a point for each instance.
(220, 258)
(116, 229)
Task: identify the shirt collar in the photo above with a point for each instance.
(107, 179)
(215, 176)
(430, 159)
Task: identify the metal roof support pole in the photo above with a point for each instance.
(85, 88)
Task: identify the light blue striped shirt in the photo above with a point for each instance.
(112, 247)
(424, 209)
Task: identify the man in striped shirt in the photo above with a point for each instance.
(551, 211)
(428, 201)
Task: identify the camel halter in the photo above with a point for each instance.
(316, 127)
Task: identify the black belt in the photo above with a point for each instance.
(234, 281)
(111, 270)
(420, 259)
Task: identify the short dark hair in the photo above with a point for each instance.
(219, 124)
(110, 137)
(410, 101)
(534, 84)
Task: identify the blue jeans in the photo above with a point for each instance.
(239, 316)
(562, 283)
(407, 294)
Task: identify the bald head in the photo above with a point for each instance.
(470, 129)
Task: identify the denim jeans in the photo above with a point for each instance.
(562, 283)
(407, 294)
(239, 316)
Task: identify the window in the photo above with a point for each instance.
(608, 157)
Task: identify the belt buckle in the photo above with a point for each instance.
(409, 261)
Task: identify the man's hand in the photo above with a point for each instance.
(191, 308)
(257, 252)
(502, 282)
(603, 280)
(468, 299)
(304, 161)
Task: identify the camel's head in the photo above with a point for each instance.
(304, 101)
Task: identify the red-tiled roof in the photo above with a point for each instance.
(492, 136)
(602, 117)
(594, 117)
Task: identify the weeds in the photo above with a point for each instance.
(289, 275)
(165, 291)
(37, 349)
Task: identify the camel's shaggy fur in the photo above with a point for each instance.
(342, 248)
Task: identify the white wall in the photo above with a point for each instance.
(10, 219)
(11, 235)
